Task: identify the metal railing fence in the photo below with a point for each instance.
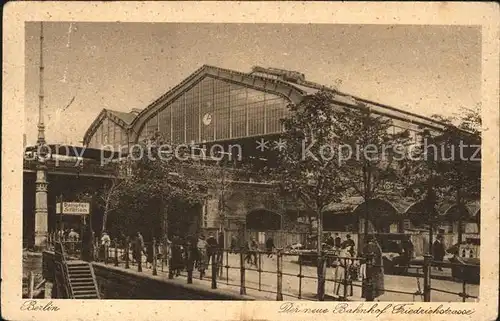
(280, 273)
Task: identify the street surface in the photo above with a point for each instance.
(290, 287)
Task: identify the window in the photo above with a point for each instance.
(256, 118)
(164, 123)
(144, 134)
(213, 110)
(124, 140)
(237, 101)
(178, 121)
(221, 110)
(207, 109)
(275, 111)
(152, 126)
(118, 137)
(256, 112)
(105, 131)
(192, 102)
(98, 135)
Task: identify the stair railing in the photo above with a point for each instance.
(61, 259)
(94, 279)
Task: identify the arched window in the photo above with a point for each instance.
(214, 109)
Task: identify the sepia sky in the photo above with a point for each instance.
(120, 66)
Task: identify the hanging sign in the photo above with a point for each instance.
(73, 208)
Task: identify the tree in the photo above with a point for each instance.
(470, 120)
(459, 160)
(423, 182)
(219, 179)
(369, 154)
(305, 169)
(447, 166)
(162, 178)
(108, 199)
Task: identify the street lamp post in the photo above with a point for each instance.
(41, 183)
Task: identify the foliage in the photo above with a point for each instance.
(334, 152)
(301, 171)
(470, 120)
(447, 165)
(219, 179)
(109, 198)
(160, 182)
(370, 151)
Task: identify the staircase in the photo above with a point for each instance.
(82, 280)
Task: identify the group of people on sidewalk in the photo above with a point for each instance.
(68, 235)
(348, 268)
(194, 253)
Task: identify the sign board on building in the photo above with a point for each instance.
(73, 208)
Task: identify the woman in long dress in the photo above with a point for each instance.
(202, 255)
(341, 270)
(176, 262)
(138, 247)
(377, 270)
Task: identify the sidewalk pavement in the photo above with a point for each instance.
(405, 286)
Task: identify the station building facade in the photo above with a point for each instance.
(220, 106)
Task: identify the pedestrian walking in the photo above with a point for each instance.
(73, 238)
(202, 255)
(60, 235)
(270, 247)
(211, 246)
(176, 261)
(438, 250)
(138, 247)
(338, 241)
(166, 251)
(330, 241)
(234, 244)
(377, 272)
(66, 234)
(349, 243)
(340, 272)
(407, 250)
(190, 255)
(252, 248)
(105, 244)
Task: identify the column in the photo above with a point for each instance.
(41, 213)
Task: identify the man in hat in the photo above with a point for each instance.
(377, 273)
(337, 241)
(202, 246)
(212, 246)
(349, 243)
(438, 250)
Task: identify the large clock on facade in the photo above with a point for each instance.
(207, 119)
